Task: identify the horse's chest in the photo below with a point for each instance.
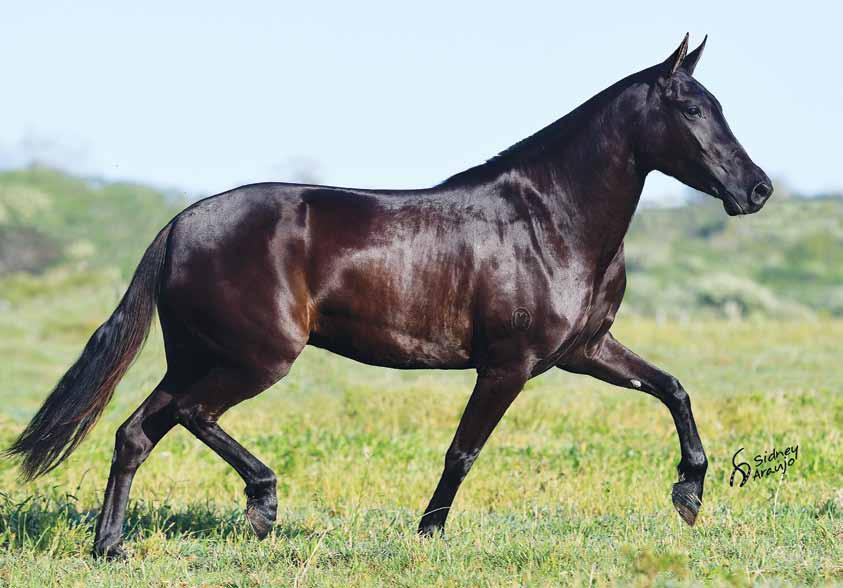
(575, 313)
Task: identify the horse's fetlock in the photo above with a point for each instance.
(262, 486)
(694, 466)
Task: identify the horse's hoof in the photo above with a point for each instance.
(686, 500)
(110, 553)
(431, 529)
(261, 516)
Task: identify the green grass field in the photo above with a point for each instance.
(572, 489)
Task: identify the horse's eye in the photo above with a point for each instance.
(693, 111)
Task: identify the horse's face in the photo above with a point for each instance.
(692, 141)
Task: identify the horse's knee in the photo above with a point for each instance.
(674, 393)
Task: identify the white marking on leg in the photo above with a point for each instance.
(466, 459)
(635, 383)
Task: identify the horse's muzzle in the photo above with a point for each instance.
(759, 195)
(752, 200)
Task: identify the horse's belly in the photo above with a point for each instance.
(369, 342)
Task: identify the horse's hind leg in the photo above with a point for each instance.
(493, 393)
(134, 441)
(198, 411)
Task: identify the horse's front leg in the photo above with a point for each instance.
(611, 362)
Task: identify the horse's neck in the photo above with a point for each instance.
(593, 184)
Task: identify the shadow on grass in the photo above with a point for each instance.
(55, 523)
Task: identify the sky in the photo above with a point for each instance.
(203, 96)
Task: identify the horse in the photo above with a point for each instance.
(510, 268)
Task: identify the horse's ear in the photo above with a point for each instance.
(672, 63)
(689, 64)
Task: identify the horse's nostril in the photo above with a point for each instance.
(760, 193)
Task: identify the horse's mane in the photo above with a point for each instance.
(545, 140)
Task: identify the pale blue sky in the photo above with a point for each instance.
(205, 95)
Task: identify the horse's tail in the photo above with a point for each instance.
(77, 401)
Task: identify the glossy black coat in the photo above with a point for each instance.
(511, 268)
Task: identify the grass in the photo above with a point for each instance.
(572, 489)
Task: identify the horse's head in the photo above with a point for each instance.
(688, 138)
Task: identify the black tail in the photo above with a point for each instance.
(81, 395)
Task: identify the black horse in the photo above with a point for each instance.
(511, 268)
